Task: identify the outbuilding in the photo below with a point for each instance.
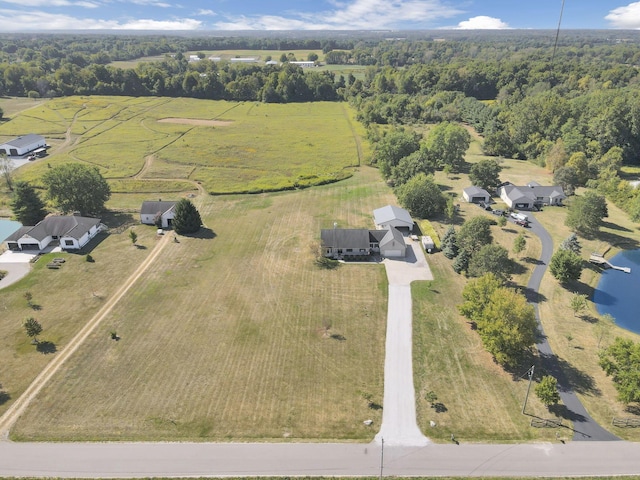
(392, 216)
(22, 145)
(160, 213)
(475, 194)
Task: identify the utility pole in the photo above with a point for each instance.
(530, 372)
(381, 458)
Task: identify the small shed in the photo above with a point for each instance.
(475, 194)
(22, 145)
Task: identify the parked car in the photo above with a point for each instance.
(522, 223)
(31, 158)
(498, 212)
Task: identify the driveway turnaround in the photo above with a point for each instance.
(399, 426)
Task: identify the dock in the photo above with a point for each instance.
(599, 259)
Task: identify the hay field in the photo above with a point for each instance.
(226, 147)
(223, 339)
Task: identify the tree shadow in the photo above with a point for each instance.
(613, 226)
(517, 268)
(93, 243)
(375, 406)
(533, 261)
(588, 318)
(141, 247)
(46, 347)
(203, 234)
(618, 240)
(35, 306)
(116, 220)
(569, 377)
(4, 397)
(563, 412)
(532, 296)
(337, 336)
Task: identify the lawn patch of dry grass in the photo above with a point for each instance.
(223, 339)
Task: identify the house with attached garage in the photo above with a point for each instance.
(351, 243)
(531, 196)
(70, 232)
(22, 145)
(160, 213)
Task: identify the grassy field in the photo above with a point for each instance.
(225, 338)
(188, 141)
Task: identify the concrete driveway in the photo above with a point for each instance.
(18, 264)
(399, 426)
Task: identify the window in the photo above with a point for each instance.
(349, 250)
(68, 243)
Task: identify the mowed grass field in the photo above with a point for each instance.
(224, 338)
(225, 147)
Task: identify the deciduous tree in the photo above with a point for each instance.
(485, 174)
(565, 266)
(33, 328)
(585, 213)
(578, 303)
(547, 390)
(621, 361)
(447, 144)
(519, 243)
(77, 187)
(422, 196)
(491, 258)
(475, 233)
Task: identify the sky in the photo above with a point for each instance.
(229, 15)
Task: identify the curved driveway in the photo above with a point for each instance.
(585, 427)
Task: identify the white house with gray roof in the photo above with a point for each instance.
(70, 232)
(22, 145)
(159, 213)
(532, 195)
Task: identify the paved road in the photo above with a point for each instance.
(585, 427)
(136, 460)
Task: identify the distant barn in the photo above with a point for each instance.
(22, 145)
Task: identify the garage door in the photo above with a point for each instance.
(393, 253)
(30, 246)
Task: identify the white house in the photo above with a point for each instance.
(22, 145)
(157, 213)
(304, 64)
(392, 216)
(532, 195)
(70, 232)
(475, 194)
(353, 243)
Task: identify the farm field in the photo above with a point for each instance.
(226, 337)
(181, 144)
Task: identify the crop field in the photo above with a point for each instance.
(234, 335)
(224, 147)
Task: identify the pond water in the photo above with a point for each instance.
(7, 227)
(618, 293)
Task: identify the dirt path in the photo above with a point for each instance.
(19, 406)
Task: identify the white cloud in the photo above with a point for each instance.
(152, 3)
(482, 22)
(625, 17)
(42, 21)
(354, 14)
(202, 11)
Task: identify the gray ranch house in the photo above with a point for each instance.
(157, 213)
(354, 242)
(475, 194)
(531, 196)
(22, 145)
(70, 232)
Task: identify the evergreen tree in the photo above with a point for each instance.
(33, 328)
(186, 219)
(461, 263)
(449, 244)
(26, 204)
(572, 243)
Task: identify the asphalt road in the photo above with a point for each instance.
(584, 427)
(136, 460)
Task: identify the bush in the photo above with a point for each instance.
(3, 273)
(89, 258)
(327, 263)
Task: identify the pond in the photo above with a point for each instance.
(7, 227)
(617, 292)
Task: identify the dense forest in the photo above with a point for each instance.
(574, 108)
